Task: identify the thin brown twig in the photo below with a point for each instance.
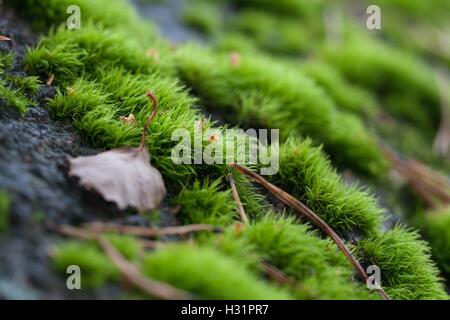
(276, 274)
(152, 244)
(432, 176)
(237, 199)
(154, 100)
(50, 79)
(70, 231)
(132, 274)
(433, 188)
(441, 144)
(149, 232)
(420, 190)
(314, 218)
(89, 234)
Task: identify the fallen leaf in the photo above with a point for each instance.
(123, 175)
(131, 119)
(3, 38)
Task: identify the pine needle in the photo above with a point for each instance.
(132, 274)
(236, 198)
(314, 218)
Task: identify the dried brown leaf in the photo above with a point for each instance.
(3, 38)
(124, 175)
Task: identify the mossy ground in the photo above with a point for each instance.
(327, 109)
(5, 204)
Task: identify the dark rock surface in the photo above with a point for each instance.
(33, 172)
(166, 15)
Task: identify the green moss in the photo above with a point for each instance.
(249, 93)
(203, 16)
(14, 98)
(274, 34)
(436, 227)
(28, 85)
(69, 54)
(404, 82)
(15, 90)
(6, 62)
(103, 72)
(96, 268)
(347, 96)
(307, 174)
(4, 211)
(437, 10)
(204, 203)
(235, 42)
(320, 270)
(128, 246)
(184, 266)
(111, 14)
(407, 271)
(284, 7)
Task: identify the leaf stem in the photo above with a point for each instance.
(154, 101)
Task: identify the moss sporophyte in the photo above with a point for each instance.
(227, 146)
(324, 109)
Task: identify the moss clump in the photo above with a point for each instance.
(4, 211)
(436, 228)
(203, 16)
(404, 83)
(347, 96)
(111, 14)
(284, 7)
(319, 269)
(102, 72)
(307, 174)
(295, 104)
(184, 266)
(407, 271)
(273, 34)
(6, 62)
(96, 268)
(14, 98)
(429, 11)
(205, 203)
(128, 246)
(180, 265)
(15, 90)
(27, 85)
(89, 47)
